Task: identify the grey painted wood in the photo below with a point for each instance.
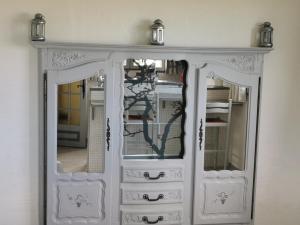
(236, 185)
(67, 62)
(81, 197)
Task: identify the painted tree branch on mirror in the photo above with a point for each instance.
(148, 77)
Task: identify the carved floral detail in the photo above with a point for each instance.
(174, 216)
(222, 197)
(79, 200)
(65, 58)
(244, 63)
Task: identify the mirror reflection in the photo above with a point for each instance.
(226, 125)
(81, 125)
(154, 104)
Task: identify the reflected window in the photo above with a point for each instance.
(81, 125)
(226, 125)
(154, 104)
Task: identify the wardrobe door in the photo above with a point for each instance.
(78, 175)
(225, 145)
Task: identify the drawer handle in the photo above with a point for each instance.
(146, 220)
(147, 176)
(146, 197)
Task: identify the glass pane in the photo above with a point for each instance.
(63, 116)
(75, 101)
(75, 87)
(63, 101)
(226, 125)
(74, 117)
(81, 126)
(154, 104)
(63, 88)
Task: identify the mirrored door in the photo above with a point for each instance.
(72, 109)
(154, 108)
(79, 175)
(225, 149)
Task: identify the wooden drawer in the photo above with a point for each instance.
(152, 175)
(141, 215)
(152, 193)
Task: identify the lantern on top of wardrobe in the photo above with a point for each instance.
(157, 33)
(38, 27)
(266, 35)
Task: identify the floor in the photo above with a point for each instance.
(72, 159)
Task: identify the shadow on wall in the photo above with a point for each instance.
(255, 34)
(20, 29)
(143, 30)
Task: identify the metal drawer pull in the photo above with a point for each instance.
(147, 175)
(145, 219)
(146, 197)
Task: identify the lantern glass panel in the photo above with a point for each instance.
(160, 35)
(33, 30)
(154, 35)
(40, 30)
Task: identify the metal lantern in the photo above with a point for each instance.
(38, 27)
(157, 33)
(266, 35)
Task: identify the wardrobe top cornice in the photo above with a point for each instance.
(149, 48)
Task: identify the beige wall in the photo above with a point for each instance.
(189, 23)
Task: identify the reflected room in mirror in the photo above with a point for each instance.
(226, 125)
(154, 108)
(81, 125)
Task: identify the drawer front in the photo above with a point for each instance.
(171, 217)
(152, 175)
(152, 193)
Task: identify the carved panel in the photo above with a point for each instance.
(224, 198)
(138, 218)
(152, 197)
(138, 174)
(80, 200)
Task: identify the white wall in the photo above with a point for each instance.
(189, 23)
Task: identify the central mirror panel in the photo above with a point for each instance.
(81, 125)
(154, 108)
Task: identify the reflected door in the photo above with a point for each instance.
(72, 123)
(79, 176)
(225, 149)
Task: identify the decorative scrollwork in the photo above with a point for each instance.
(79, 200)
(201, 134)
(107, 134)
(222, 197)
(243, 63)
(65, 58)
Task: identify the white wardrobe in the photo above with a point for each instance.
(134, 135)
